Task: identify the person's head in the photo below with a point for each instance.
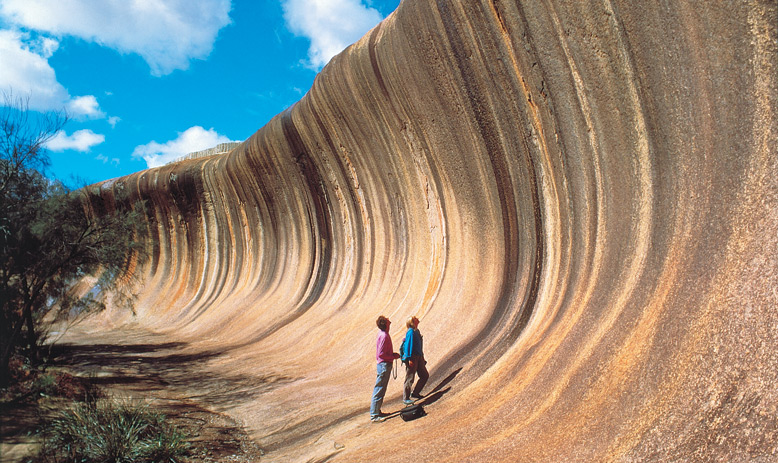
(383, 323)
(412, 322)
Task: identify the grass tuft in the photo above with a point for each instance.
(112, 431)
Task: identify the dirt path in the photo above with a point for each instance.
(139, 365)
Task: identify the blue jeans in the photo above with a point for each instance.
(384, 370)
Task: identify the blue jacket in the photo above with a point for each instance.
(413, 345)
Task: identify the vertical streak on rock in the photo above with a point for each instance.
(421, 153)
(505, 312)
(357, 235)
(318, 210)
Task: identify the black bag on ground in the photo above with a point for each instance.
(412, 412)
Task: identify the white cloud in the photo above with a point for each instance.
(330, 25)
(85, 106)
(113, 120)
(80, 140)
(106, 160)
(166, 33)
(44, 46)
(193, 139)
(26, 72)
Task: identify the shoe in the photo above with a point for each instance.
(417, 396)
(383, 415)
(377, 419)
(408, 402)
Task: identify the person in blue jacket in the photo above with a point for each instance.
(413, 358)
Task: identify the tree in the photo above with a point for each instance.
(50, 237)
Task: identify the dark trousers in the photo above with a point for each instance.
(419, 368)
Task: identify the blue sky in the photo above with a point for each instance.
(147, 81)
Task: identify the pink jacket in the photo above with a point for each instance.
(384, 350)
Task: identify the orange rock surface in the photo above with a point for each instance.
(579, 200)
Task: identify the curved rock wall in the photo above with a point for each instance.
(579, 200)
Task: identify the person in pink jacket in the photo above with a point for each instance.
(385, 355)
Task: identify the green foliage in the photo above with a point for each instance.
(50, 237)
(45, 384)
(113, 432)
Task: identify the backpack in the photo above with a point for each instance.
(412, 412)
(402, 348)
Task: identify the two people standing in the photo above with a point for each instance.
(412, 357)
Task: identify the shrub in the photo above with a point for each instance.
(75, 388)
(112, 431)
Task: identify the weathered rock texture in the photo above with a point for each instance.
(578, 199)
(221, 148)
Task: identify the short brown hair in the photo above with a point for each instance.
(382, 323)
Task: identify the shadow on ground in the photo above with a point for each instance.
(169, 375)
(165, 368)
(433, 396)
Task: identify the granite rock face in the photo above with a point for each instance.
(579, 200)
